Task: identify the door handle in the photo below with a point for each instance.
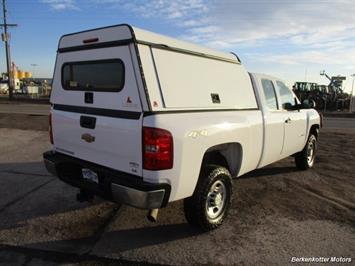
(288, 121)
(87, 122)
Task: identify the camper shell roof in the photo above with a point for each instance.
(124, 34)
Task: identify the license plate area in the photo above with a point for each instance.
(90, 175)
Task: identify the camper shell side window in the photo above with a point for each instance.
(99, 75)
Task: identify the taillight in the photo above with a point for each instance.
(50, 128)
(158, 149)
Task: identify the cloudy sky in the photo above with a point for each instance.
(292, 39)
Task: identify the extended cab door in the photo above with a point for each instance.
(295, 121)
(273, 122)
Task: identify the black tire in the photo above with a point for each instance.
(199, 208)
(304, 160)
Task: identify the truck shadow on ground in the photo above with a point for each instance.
(115, 242)
(29, 192)
(39, 211)
(269, 171)
(135, 238)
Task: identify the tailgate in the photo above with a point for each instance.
(97, 113)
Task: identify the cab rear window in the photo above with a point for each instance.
(99, 75)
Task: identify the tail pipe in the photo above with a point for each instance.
(153, 215)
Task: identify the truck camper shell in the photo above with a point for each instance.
(171, 74)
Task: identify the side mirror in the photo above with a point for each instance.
(308, 103)
(288, 106)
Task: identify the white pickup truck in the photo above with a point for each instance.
(143, 119)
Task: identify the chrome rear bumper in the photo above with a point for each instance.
(113, 185)
(141, 199)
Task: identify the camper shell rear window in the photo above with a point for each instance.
(98, 75)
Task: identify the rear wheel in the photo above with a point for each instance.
(305, 158)
(209, 205)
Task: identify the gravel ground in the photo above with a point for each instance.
(277, 213)
(24, 121)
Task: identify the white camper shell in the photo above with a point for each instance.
(163, 70)
(156, 74)
(144, 119)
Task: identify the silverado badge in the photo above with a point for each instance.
(88, 138)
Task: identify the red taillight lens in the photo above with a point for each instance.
(50, 128)
(157, 149)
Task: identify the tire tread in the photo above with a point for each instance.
(301, 157)
(194, 205)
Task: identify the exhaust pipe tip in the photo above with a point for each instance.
(153, 215)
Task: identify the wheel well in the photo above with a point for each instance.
(314, 130)
(228, 155)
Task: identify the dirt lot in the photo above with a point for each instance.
(277, 213)
(22, 121)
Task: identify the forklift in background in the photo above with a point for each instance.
(329, 97)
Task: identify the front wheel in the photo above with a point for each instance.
(305, 158)
(209, 205)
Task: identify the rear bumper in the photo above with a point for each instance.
(113, 185)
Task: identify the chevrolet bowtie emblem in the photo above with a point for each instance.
(87, 137)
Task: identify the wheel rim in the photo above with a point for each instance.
(311, 152)
(216, 199)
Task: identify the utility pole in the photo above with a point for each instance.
(351, 94)
(6, 38)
